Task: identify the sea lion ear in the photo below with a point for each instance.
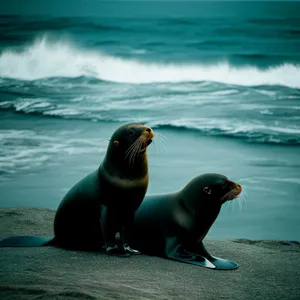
(207, 190)
(116, 143)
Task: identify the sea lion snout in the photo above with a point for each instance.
(148, 133)
(234, 190)
(148, 136)
(238, 186)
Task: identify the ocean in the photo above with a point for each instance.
(220, 82)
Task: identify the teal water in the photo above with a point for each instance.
(221, 81)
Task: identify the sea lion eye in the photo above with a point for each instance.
(116, 143)
(224, 185)
(131, 132)
(207, 190)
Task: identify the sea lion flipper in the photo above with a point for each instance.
(26, 241)
(219, 263)
(177, 252)
(113, 234)
(224, 264)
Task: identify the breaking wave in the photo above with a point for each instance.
(45, 58)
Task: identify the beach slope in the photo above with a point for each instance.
(268, 269)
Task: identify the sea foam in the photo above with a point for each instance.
(45, 58)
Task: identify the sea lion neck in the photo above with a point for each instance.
(197, 206)
(123, 169)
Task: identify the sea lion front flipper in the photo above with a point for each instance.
(176, 251)
(112, 233)
(219, 263)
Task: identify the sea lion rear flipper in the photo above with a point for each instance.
(219, 263)
(176, 251)
(26, 241)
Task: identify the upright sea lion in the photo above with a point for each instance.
(174, 225)
(98, 209)
(107, 199)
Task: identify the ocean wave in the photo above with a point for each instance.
(23, 150)
(228, 127)
(257, 133)
(45, 58)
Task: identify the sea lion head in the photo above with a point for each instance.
(209, 190)
(127, 147)
(131, 138)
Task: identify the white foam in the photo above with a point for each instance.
(45, 59)
(27, 149)
(228, 127)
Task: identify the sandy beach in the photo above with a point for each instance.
(268, 269)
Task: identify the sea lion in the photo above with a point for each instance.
(101, 206)
(99, 209)
(174, 225)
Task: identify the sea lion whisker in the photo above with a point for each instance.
(245, 193)
(132, 151)
(133, 144)
(159, 143)
(229, 196)
(224, 196)
(162, 142)
(162, 138)
(233, 194)
(236, 193)
(136, 150)
(237, 196)
(234, 206)
(141, 146)
(155, 144)
(162, 135)
(234, 202)
(129, 150)
(130, 154)
(238, 200)
(243, 198)
(230, 193)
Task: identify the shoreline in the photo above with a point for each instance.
(270, 182)
(267, 269)
(10, 215)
